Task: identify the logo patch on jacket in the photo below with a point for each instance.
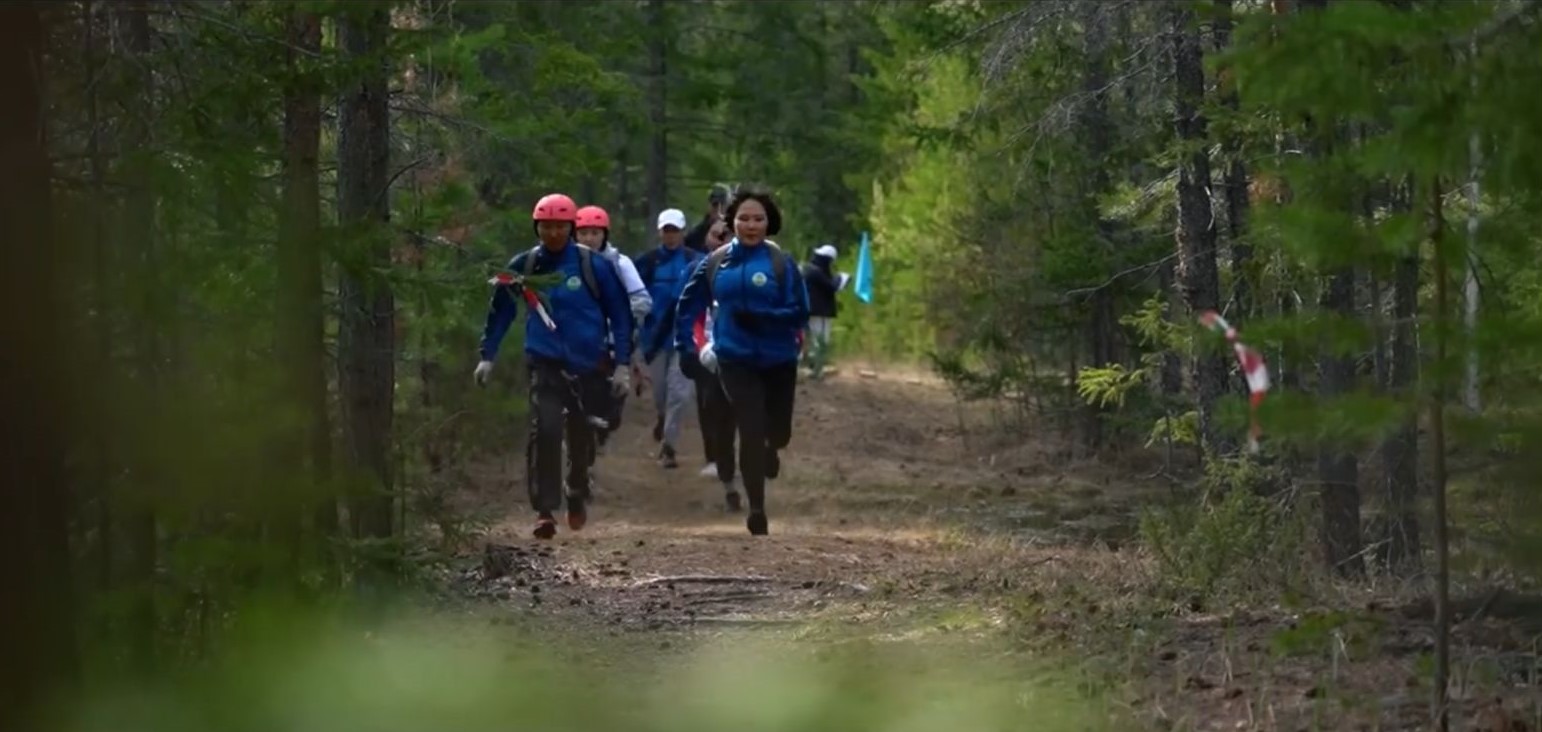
(574, 283)
(759, 279)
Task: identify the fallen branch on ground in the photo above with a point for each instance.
(702, 579)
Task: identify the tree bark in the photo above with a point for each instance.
(301, 344)
(139, 230)
(37, 621)
(1198, 279)
(1441, 683)
(366, 345)
(1400, 453)
(1338, 469)
(658, 110)
(1236, 185)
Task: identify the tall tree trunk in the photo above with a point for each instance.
(37, 620)
(139, 231)
(1400, 453)
(1098, 142)
(1199, 281)
(658, 110)
(1236, 185)
(1337, 467)
(366, 347)
(301, 327)
(1472, 395)
(97, 482)
(1440, 687)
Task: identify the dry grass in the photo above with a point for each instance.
(901, 516)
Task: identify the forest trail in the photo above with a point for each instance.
(895, 501)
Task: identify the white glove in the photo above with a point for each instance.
(708, 358)
(621, 381)
(484, 370)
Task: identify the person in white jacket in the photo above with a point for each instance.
(593, 231)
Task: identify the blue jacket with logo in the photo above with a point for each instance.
(579, 342)
(664, 273)
(746, 282)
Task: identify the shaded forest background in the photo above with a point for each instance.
(248, 242)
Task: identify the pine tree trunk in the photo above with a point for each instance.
(1198, 280)
(1338, 468)
(301, 330)
(658, 111)
(366, 346)
(37, 621)
(1097, 135)
(139, 233)
(1400, 453)
(1236, 187)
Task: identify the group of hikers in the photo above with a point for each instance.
(718, 314)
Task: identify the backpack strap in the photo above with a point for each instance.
(585, 268)
(714, 261)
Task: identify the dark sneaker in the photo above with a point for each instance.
(578, 514)
(731, 501)
(773, 464)
(545, 527)
(757, 524)
(667, 457)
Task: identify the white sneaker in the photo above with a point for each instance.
(710, 471)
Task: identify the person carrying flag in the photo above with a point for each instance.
(578, 305)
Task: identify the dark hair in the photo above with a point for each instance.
(719, 192)
(763, 197)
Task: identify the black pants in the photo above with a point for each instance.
(704, 385)
(557, 411)
(762, 400)
(717, 425)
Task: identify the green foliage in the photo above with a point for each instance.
(309, 672)
(1236, 541)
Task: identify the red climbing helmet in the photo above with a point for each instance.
(555, 207)
(593, 217)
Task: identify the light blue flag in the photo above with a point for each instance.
(864, 284)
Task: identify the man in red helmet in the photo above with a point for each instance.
(593, 231)
(567, 358)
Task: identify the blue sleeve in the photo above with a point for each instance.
(500, 315)
(617, 307)
(794, 312)
(693, 302)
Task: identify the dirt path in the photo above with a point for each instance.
(878, 491)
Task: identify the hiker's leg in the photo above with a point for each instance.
(747, 395)
(721, 419)
(709, 440)
(681, 393)
(781, 391)
(658, 375)
(544, 453)
(585, 391)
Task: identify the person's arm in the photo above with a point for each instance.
(693, 301)
(817, 277)
(636, 292)
(618, 315)
(793, 312)
(500, 315)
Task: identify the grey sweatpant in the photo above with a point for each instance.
(672, 392)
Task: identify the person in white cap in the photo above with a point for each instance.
(664, 271)
(823, 282)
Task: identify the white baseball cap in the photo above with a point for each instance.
(827, 250)
(672, 217)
